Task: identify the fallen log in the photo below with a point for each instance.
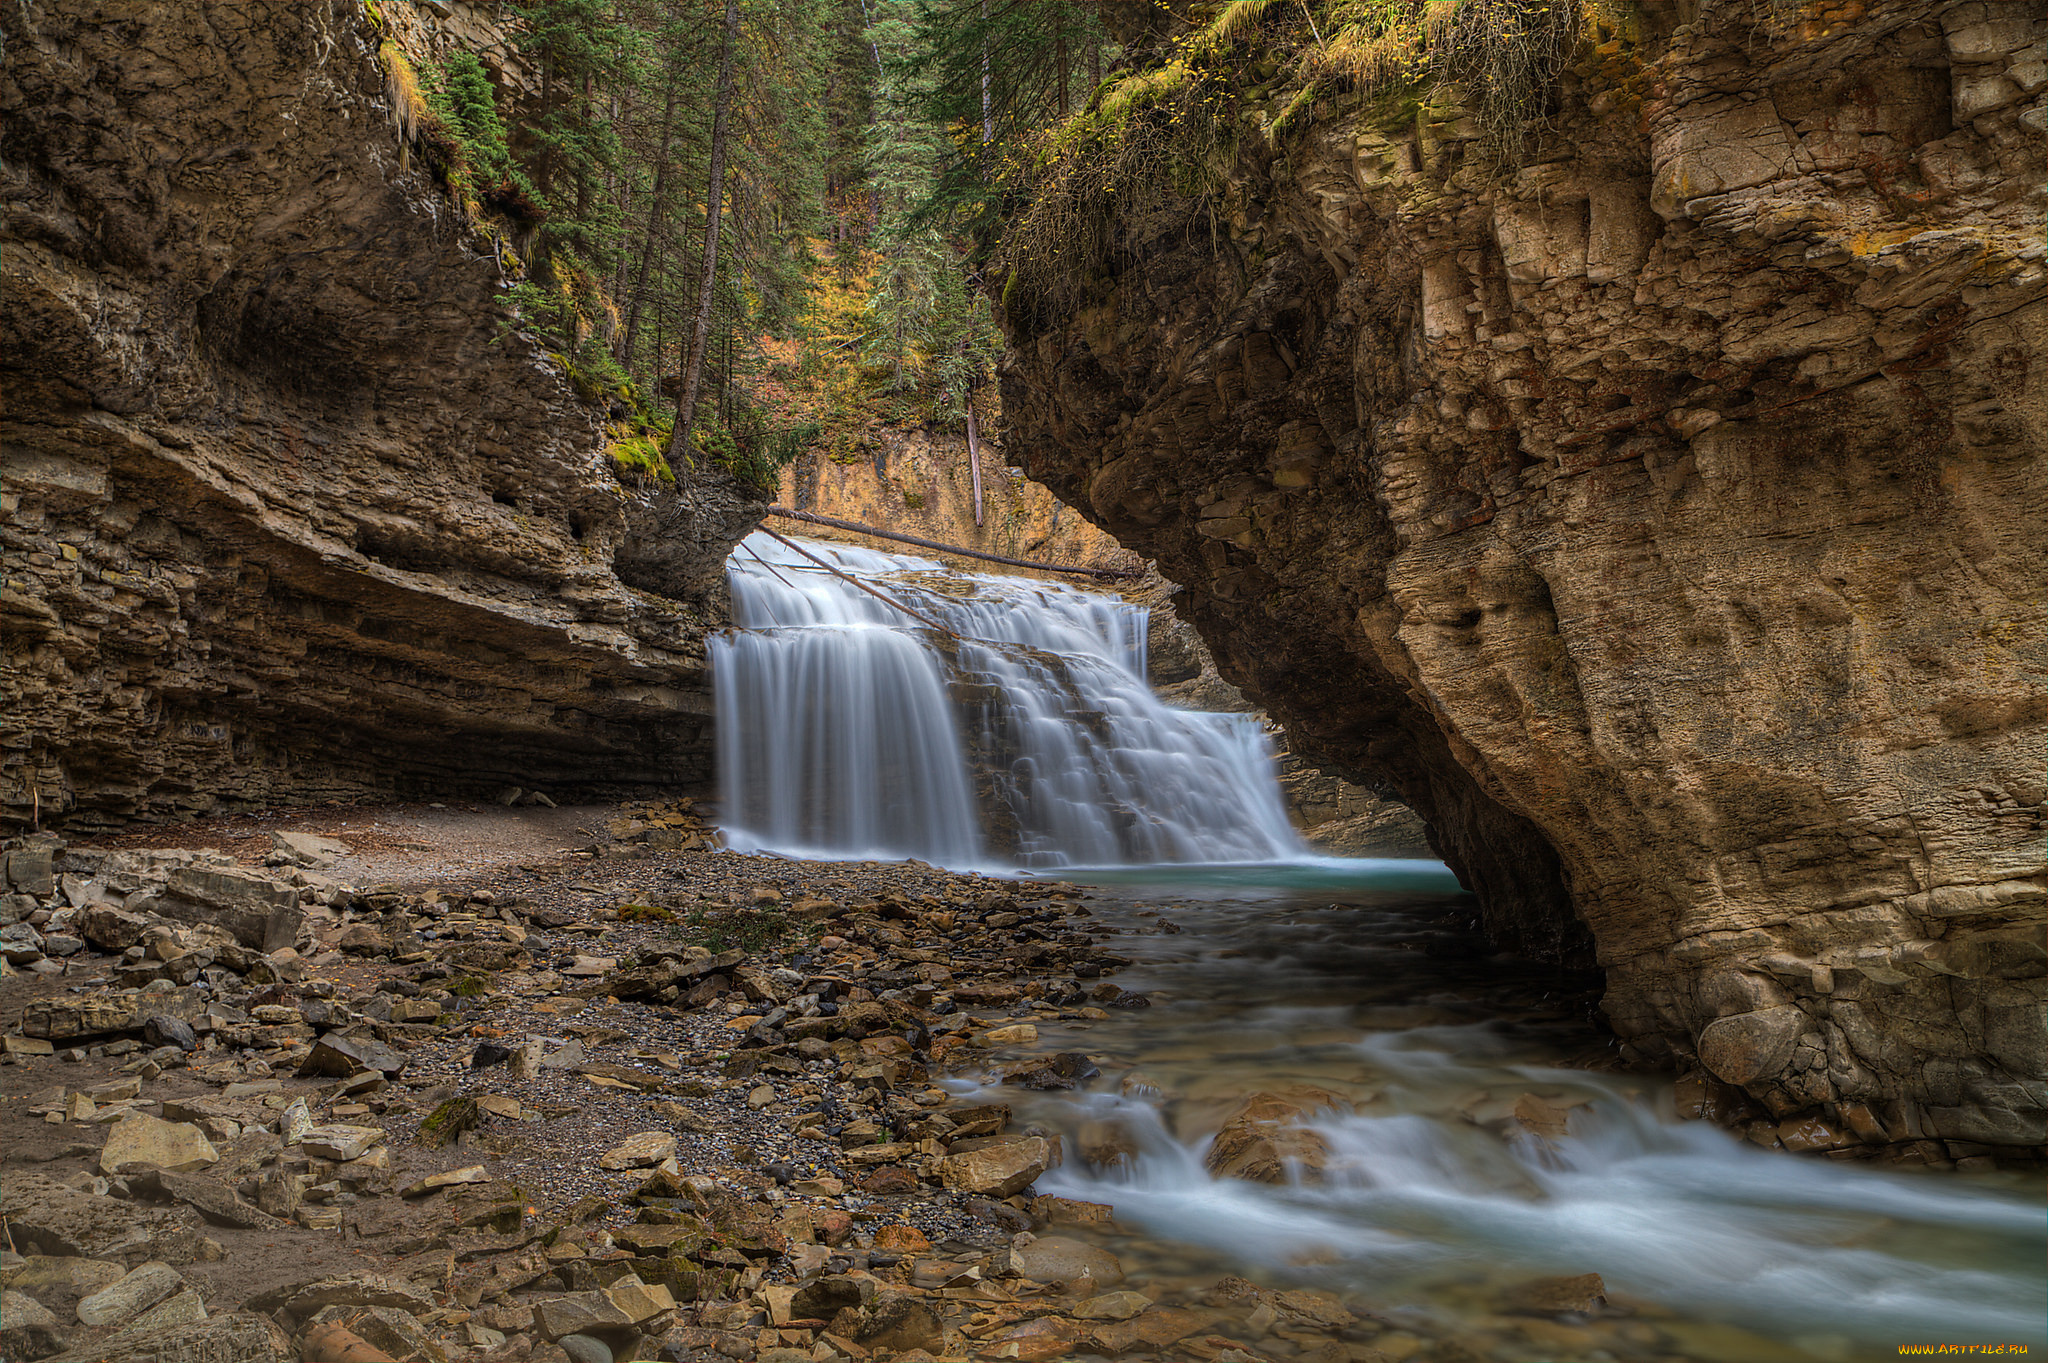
(814, 518)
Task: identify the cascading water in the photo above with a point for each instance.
(1021, 731)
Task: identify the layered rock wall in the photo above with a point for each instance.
(1661, 516)
(287, 512)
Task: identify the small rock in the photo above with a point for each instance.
(642, 1151)
(1016, 1034)
(449, 1120)
(333, 1342)
(475, 1173)
(339, 1141)
(998, 1170)
(584, 1349)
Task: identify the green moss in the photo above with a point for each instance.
(642, 458)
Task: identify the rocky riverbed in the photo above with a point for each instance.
(535, 1083)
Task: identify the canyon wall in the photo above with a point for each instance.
(1660, 515)
(288, 513)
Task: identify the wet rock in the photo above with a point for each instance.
(1044, 1338)
(1158, 1328)
(1263, 1141)
(1747, 1047)
(641, 1151)
(1057, 1259)
(1001, 1169)
(1112, 1306)
(1580, 1295)
(1063, 1071)
(140, 1141)
(131, 1296)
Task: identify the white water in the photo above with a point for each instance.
(849, 729)
(1437, 1203)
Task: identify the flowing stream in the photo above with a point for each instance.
(1475, 1145)
(1438, 1208)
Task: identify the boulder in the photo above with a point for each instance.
(1003, 1168)
(111, 929)
(105, 1011)
(161, 1029)
(306, 1299)
(242, 1337)
(339, 1057)
(901, 1323)
(183, 1307)
(260, 913)
(18, 1308)
(139, 1140)
(1263, 1141)
(339, 1141)
(210, 1198)
(135, 1293)
(385, 1328)
(61, 1281)
(305, 849)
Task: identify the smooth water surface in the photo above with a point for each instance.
(1439, 1202)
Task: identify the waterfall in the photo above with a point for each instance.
(1022, 733)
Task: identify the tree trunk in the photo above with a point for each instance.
(654, 211)
(714, 204)
(974, 455)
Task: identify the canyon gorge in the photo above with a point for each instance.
(1658, 517)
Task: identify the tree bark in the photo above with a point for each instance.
(974, 455)
(638, 292)
(714, 204)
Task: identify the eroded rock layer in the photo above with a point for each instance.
(1660, 517)
(285, 515)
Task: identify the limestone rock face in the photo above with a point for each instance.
(284, 516)
(1659, 517)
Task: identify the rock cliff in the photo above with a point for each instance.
(1660, 516)
(287, 514)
